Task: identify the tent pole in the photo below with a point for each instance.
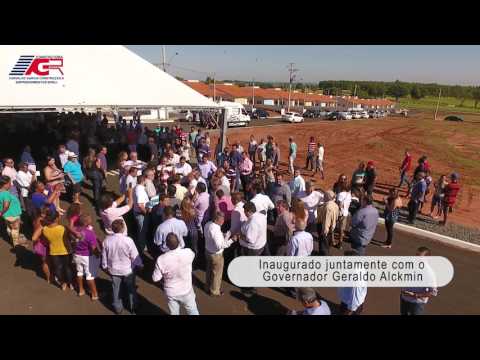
(223, 129)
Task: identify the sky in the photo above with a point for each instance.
(444, 64)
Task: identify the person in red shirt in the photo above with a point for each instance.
(312, 145)
(451, 192)
(405, 168)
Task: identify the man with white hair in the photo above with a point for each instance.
(301, 243)
(326, 222)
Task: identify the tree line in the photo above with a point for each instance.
(375, 89)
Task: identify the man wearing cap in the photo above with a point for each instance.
(451, 192)
(370, 178)
(417, 196)
(73, 169)
(326, 222)
(312, 305)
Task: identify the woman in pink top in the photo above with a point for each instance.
(246, 168)
(224, 204)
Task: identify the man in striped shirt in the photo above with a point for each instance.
(312, 146)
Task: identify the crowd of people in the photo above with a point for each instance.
(194, 206)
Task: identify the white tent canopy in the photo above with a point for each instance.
(85, 76)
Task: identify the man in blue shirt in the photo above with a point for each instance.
(73, 169)
(364, 224)
(417, 196)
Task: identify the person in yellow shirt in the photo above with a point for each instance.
(60, 252)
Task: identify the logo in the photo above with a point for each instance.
(32, 69)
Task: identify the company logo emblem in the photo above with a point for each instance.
(31, 69)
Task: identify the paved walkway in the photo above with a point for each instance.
(24, 292)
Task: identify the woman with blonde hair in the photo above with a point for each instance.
(300, 213)
(189, 214)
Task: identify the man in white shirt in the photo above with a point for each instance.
(344, 198)
(319, 160)
(129, 181)
(215, 243)
(175, 268)
(173, 158)
(312, 199)
(297, 185)
(62, 155)
(262, 202)
(253, 240)
(24, 179)
(149, 185)
(352, 298)
(140, 200)
(170, 225)
(238, 214)
(254, 231)
(183, 168)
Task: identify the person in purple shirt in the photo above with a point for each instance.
(364, 223)
(102, 156)
(40, 199)
(120, 258)
(86, 256)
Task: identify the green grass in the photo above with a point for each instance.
(446, 104)
(445, 151)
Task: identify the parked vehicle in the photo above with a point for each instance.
(364, 115)
(235, 113)
(310, 114)
(356, 115)
(344, 115)
(373, 114)
(258, 114)
(185, 115)
(292, 117)
(324, 114)
(334, 115)
(454, 118)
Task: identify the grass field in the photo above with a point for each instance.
(446, 104)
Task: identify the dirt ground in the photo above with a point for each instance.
(449, 146)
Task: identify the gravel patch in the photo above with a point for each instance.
(456, 231)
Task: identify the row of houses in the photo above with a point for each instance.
(278, 98)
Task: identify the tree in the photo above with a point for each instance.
(209, 80)
(179, 78)
(416, 92)
(398, 90)
(476, 95)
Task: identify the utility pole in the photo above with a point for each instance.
(253, 94)
(292, 72)
(213, 86)
(438, 103)
(354, 93)
(163, 58)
